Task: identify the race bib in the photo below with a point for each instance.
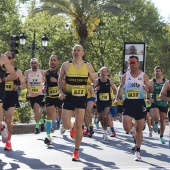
(78, 91)
(9, 86)
(35, 89)
(53, 91)
(104, 96)
(133, 94)
(157, 97)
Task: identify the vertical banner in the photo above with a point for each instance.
(136, 49)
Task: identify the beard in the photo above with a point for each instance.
(34, 68)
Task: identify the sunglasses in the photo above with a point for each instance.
(33, 63)
(9, 57)
(133, 62)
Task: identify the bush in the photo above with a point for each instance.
(24, 113)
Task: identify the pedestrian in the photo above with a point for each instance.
(52, 98)
(76, 73)
(12, 89)
(133, 83)
(5, 66)
(35, 79)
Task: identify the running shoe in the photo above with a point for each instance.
(97, 125)
(48, 141)
(162, 140)
(75, 156)
(62, 130)
(150, 133)
(137, 156)
(37, 131)
(5, 134)
(86, 132)
(134, 148)
(113, 134)
(72, 133)
(155, 127)
(8, 146)
(133, 131)
(105, 137)
(91, 130)
(95, 120)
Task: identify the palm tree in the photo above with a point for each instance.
(83, 13)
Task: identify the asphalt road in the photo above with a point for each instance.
(30, 152)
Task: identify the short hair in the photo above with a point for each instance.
(13, 55)
(158, 67)
(54, 55)
(78, 45)
(133, 56)
(34, 59)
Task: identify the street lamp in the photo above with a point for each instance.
(33, 46)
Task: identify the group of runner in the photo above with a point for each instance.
(73, 90)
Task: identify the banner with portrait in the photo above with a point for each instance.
(136, 49)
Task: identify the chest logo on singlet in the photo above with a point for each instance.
(78, 91)
(9, 86)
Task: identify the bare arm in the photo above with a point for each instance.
(120, 88)
(113, 87)
(21, 79)
(62, 74)
(163, 92)
(8, 67)
(148, 83)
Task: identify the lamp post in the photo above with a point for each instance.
(33, 46)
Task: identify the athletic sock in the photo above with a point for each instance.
(48, 126)
(112, 129)
(37, 126)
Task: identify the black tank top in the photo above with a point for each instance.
(9, 86)
(103, 94)
(52, 87)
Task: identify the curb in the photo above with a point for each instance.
(23, 128)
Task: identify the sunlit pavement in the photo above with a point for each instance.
(30, 152)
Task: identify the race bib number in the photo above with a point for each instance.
(104, 96)
(9, 86)
(157, 97)
(53, 91)
(133, 94)
(78, 91)
(34, 89)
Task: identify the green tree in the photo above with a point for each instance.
(82, 13)
(9, 21)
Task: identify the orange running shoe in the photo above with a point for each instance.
(72, 133)
(86, 132)
(75, 156)
(8, 146)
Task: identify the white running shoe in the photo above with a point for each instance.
(105, 137)
(62, 130)
(5, 133)
(137, 156)
(133, 131)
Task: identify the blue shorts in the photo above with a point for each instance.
(91, 99)
(113, 111)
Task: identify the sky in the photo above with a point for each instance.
(163, 7)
